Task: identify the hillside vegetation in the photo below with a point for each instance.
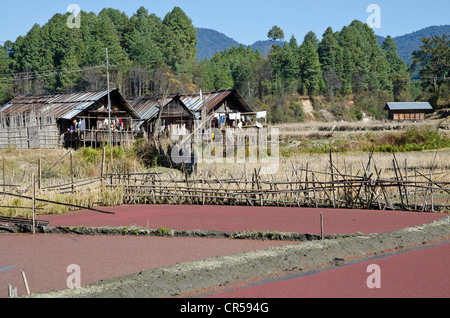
(345, 73)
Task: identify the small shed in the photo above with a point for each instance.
(408, 111)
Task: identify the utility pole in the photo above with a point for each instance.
(109, 100)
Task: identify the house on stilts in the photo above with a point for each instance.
(71, 120)
(176, 113)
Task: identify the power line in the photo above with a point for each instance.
(36, 75)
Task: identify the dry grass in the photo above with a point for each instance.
(346, 163)
(20, 165)
(87, 197)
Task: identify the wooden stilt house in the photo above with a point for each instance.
(82, 119)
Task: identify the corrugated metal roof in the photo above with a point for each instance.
(65, 105)
(195, 102)
(148, 106)
(408, 106)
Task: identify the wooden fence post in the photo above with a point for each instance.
(102, 172)
(39, 173)
(4, 176)
(34, 203)
(12, 292)
(25, 282)
(332, 178)
(71, 171)
(321, 226)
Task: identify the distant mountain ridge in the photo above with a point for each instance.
(211, 41)
(408, 43)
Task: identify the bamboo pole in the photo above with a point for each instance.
(39, 173)
(332, 178)
(24, 277)
(321, 226)
(71, 171)
(398, 182)
(415, 190)
(34, 204)
(431, 190)
(4, 175)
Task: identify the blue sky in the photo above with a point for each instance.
(246, 21)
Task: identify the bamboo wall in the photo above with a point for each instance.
(29, 132)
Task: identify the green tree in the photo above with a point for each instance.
(285, 63)
(104, 37)
(141, 39)
(4, 59)
(5, 78)
(329, 50)
(34, 56)
(70, 76)
(432, 62)
(364, 65)
(330, 57)
(276, 33)
(398, 71)
(118, 18)
(311, 72)
(180, 40)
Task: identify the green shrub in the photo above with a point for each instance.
(90, 154)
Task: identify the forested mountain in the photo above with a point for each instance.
(144, 51)
(264, 47)
(408, 43)
(344, 72)
(211, 41)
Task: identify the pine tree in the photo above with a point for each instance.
(330, 57)
(311, 72)
(3, 60)
(34, 56)
(70, 75)
(180, 36)
(118, 18)
(432, 61)
(328, 50)
(398, 71)
(275, 33)
(105, 37)
(5, 82)
(142, 36)
(363, 64)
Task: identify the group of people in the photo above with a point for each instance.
(77, 125)
(117, 124)
(237, 119)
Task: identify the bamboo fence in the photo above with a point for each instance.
(406, 189)
(302, 187)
